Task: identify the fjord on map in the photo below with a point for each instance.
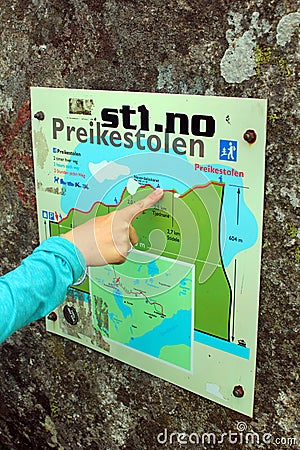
(150, 306)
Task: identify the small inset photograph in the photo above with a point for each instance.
(81, 106)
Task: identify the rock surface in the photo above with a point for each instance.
(56, 394)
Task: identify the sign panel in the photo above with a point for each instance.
(184, 306)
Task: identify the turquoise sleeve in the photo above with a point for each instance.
(39, 284)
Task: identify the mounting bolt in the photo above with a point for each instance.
(39, 115)
(52, 316)
(238, 391)
(250, 136)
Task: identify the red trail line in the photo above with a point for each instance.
(141, 187)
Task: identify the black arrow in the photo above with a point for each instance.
(45, 223)
(238, 206)
(234, 301)
(172, 212)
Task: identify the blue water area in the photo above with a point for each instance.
(239, 225)
(220, 344)
(126, 311)
(115, 320)
(153, 268)
(173, 172)
(175, 330)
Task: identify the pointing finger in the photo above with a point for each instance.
(132, 211)
(133, 235)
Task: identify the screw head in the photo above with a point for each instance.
(238, 391)
(250, 136)
(39, 115)
(52, 316)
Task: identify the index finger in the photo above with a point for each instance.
(132, 211)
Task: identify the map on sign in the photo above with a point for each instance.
(158, 325)
(184, 304)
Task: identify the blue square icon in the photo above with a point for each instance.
(45, 214)
(51, 216)
(228, 150)
(54, 149)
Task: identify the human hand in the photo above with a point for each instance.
(108, 239)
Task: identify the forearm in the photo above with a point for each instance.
(39, 284)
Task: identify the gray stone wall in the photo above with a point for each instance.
(56, 394)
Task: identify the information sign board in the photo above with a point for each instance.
(184, 305)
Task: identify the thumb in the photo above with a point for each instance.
(132, 211)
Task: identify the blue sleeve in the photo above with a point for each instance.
(39, 284)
